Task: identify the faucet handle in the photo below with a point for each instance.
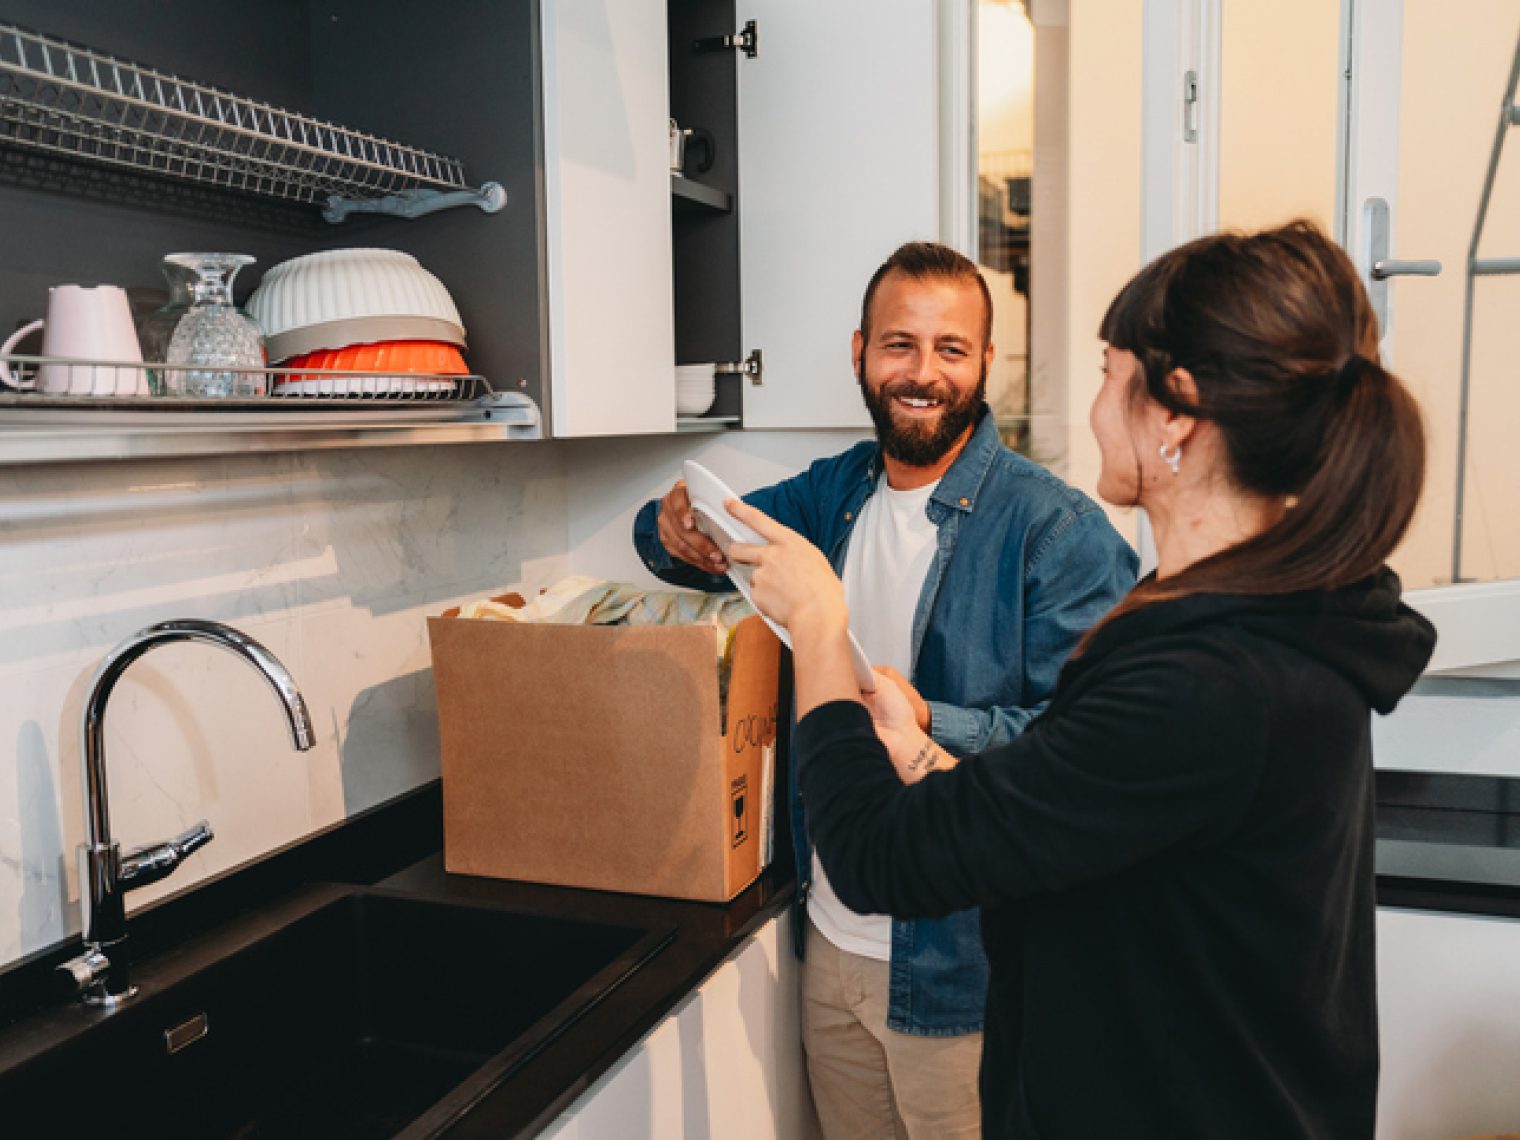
(79, 974)
(157, 861)
(193, 840)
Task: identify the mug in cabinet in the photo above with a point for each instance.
(690, 147)
(90, 344)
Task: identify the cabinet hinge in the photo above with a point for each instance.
(1190, 107)
(747, 41)
(752, 366)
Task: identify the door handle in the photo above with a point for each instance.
(1388, 267)
(1380, 266)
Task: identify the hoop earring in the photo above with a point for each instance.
(1172, 459)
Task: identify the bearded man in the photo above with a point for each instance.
(971, 573)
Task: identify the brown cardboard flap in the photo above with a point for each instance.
(752, 694)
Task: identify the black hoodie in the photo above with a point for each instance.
(1175, 865)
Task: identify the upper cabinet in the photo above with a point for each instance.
(814, 154)
(463, 83)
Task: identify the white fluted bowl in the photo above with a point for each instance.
(340, 297)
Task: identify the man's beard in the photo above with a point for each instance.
(919, 444)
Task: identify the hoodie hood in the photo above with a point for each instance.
(1362, 631)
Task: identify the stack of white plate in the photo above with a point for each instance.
(695, 389)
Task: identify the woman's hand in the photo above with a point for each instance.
(792, 582)
(914, 754)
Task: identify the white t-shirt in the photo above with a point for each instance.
(890, 552)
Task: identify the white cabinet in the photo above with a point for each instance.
(602, 272)
(726, 1063)
(830, 142)
(1448, 996)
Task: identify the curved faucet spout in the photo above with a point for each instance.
(105, 876)
(109, 671)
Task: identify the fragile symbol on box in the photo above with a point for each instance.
(737, 790)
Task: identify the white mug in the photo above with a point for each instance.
(83, 323)
(682, 143)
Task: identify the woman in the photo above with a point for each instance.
(1176, 860)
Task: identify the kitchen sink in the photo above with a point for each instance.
(371, 1015)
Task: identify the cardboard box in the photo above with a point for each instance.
(591, 756)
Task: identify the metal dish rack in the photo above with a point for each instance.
(104, 412)
(63, 99)
(78, 384)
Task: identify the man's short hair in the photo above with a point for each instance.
(921, 260)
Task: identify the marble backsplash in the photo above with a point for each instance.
(332, 559)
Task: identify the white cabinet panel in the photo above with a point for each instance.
(727, 1063)
(1448, 989)
(607, 198)
(838, 165)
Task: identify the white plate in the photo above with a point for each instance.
(708, 493)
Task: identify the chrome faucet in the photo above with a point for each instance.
(100, 975)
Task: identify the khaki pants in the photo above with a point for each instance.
(870, 1081)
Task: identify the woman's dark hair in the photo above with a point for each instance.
(1281, 342)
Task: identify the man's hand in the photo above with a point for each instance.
(680, 536)
(913, 753)
(917, 703)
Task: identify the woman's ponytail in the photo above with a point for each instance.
(1358, 501)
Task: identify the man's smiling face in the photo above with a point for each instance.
(922, 365)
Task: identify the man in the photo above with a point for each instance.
(971, 573)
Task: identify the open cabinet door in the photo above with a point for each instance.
(838, 166)
(606, 165)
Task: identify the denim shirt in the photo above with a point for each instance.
(1025, 565)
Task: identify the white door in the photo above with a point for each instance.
(607, 199)
(1427, 131)
(1386, 136)
(838, 165)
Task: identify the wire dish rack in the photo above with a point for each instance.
(62, 382)
(63, 99)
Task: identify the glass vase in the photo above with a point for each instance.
(213, 337)
(157, 328)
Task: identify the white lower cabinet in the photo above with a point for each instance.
(1449, 1006)
(726, 1063)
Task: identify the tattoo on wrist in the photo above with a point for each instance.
(927, 758)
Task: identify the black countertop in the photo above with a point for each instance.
(1444, 843)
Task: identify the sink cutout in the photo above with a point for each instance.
(358, 1019)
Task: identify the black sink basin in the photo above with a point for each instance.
(369, 1016)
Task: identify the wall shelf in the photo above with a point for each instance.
(686, 194)
(706, 423)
